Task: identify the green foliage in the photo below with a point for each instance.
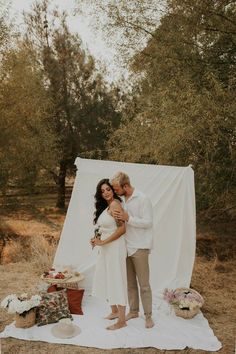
(186, 102)
(123, 24)
(4, 28)
(53, 101)
(83, 108)
(27, 144)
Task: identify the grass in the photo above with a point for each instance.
(29, 235)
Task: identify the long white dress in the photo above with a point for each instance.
(110, 278)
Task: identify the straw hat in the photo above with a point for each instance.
(65, 329)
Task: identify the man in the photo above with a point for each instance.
(138, 215)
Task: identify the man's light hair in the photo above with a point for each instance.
(121, 178)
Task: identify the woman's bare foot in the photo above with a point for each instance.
(131, 315)
(117, 325)
(112, 316)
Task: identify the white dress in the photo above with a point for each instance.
(110, 278)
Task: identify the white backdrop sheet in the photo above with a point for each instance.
(171, 190)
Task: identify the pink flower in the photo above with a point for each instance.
(175, 297)
(169, 295)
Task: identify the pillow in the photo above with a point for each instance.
(52, 288)
(52, 308)
(74, 298)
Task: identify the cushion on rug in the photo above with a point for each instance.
(52, 308)
(74, 298)
(52, 288)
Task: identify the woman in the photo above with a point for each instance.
(110, 279)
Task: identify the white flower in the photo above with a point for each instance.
(28, 306)
(43, 286)
(21, 304)
(35, 300)
(5, 302)
(188, 304)
(183, 303)
(12, 306)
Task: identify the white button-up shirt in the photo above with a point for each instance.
(139, 227)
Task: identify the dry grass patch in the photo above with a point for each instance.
(42, 253)
(15, 251)
(37, 250)
(26, 227)
(218, 290)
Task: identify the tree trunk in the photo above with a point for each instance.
(61, 188)
(2, 245)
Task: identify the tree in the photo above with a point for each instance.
(27, 142)
(186, 101)
(4, 29)
(23, 101)
(83, 111)
(124, 24)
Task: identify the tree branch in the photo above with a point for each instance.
(218, 30)
(223, 16)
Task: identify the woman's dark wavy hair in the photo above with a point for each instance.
(100, 202)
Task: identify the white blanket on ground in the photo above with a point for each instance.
(170, 332)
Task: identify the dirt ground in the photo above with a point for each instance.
(29, 231)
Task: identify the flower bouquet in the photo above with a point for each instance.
(97, 234)
(186, 302)
(23, 307)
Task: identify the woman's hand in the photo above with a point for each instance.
(92, 241)
(98, 242)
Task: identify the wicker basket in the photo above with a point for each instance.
(187, 314)
(27, 320)
(69, 285)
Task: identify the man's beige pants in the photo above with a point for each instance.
(138, 273)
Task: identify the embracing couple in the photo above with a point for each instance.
(124, 217)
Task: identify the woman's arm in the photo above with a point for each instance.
(120, 227)
(117, 234)
(144, 221)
